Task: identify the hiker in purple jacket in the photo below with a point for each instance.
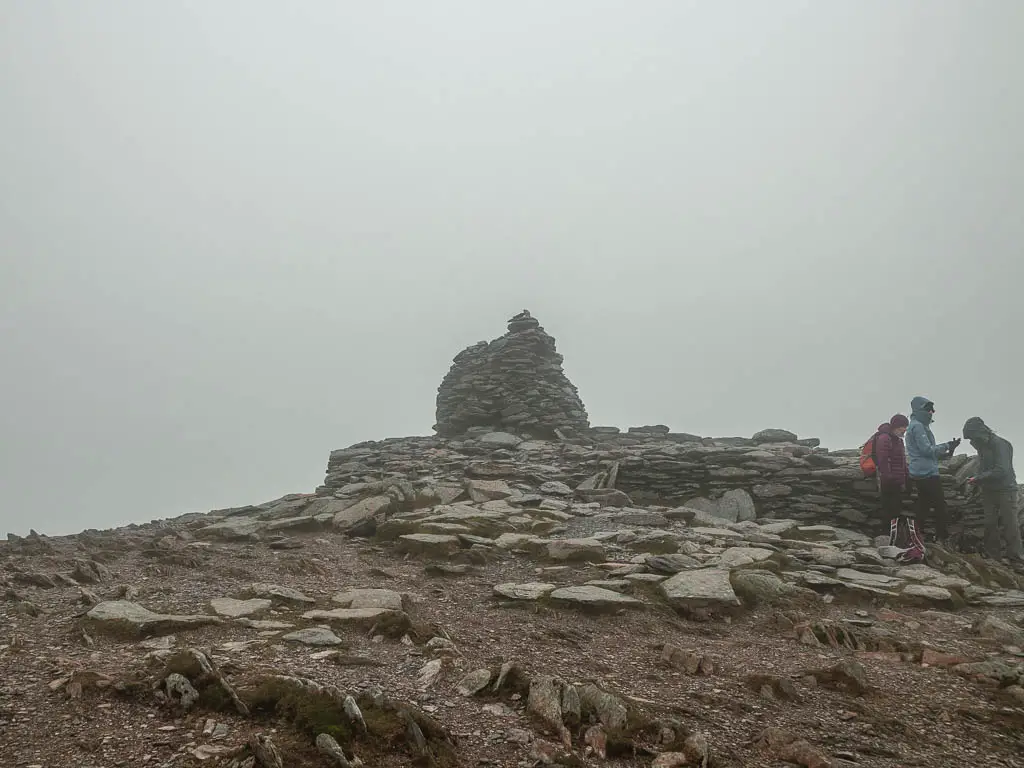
(891, 460)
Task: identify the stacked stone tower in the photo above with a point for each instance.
(515, 382)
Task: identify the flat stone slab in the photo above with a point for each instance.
(555, 488)
(364, 510)
(355, 616)
(318, 637)
(369, 598)
(817, 579)
(737, 557)
(645, 578)
(593, 597)
(235, 609)
(265, 626)
(127, 618)
(460, 514)
(706, 518)
(779, 527)
(500, 440)
(530, 591)
(429, 544)
(716, 533)
(867, 589)
(281, 594)
(889, 552)
(921, 573)
(673, 563)
(233, 529)
(707, 587)
(814, 533)
(1011, 599)
(576, 549)
(615, 585)
(871, 579)
(488, 490)
(926, 593)
(301, 523)
(836, 558)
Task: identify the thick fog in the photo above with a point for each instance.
(237, 235)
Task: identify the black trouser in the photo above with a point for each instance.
(931, 504)
(892, 501)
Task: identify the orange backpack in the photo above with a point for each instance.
(868, 464)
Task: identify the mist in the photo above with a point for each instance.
(237, 235)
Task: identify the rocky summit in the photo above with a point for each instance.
(521, 589)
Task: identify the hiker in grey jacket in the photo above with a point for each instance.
(998, 484)
(923, 458)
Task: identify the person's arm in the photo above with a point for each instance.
(883, 458)
(1000, 467)
(917, 440)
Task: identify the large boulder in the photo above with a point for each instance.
(737, 505)
(367, 512)
(774, 436)
(707, 588)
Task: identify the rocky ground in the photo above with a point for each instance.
(502, 623)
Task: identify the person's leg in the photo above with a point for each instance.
(932, 506)
(941, 511)
(922, 503)
(1007, 504)
(991, 507)
(892, 502)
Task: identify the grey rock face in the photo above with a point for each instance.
(514, 383)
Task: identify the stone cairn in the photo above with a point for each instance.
(515, 382)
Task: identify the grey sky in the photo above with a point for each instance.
(236, 235)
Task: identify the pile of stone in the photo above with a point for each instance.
(514, 382)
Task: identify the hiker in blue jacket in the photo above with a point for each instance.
(924, 454)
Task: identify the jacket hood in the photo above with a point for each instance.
(884, 429)
(974, 428)
(919, 409)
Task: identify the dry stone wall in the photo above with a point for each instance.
(763, 477)
(514, 382)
